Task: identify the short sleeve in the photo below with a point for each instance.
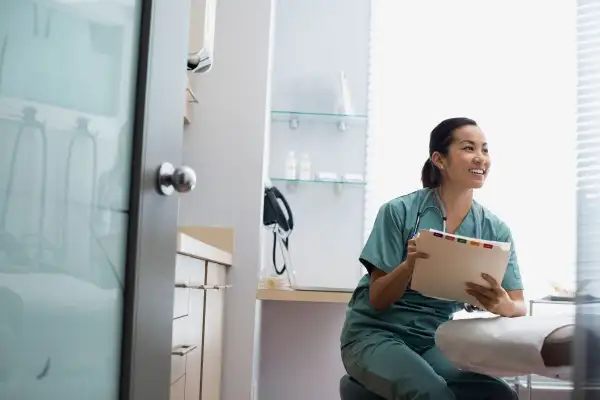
(384, 249)
(512, 277)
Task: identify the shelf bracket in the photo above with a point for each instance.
(192, 95)
(342, 126)
(338, 188)
(291, 186)
(294, 123)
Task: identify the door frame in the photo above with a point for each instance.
(152, 232)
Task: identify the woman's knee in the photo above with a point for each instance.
(496, 389)
(501, 390)
(422, 388)
(393, 371)
(485, 387)
(391, 386)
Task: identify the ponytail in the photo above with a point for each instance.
(430, 175)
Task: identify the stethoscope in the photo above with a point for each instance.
(442, 212)
(440, 209)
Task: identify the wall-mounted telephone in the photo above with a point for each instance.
(277, 215)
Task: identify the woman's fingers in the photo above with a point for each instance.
(480, 290)
(486, 302)
(493, 283)
(413, 252)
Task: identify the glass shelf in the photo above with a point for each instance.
(361, 183)
(292, 184)
(294, 118)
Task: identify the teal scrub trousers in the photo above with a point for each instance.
(389, 368)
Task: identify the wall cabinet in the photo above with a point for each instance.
(197, 346)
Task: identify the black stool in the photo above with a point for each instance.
(352, 390)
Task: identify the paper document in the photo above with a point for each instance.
(455, 260)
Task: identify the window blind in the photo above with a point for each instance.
(588, 139)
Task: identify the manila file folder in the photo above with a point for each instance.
(455, 260)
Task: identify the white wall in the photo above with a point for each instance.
(300, 351)
(225, 144)
(310, 49)
(300, 346)
(509, 100)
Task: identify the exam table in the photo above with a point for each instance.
(503, 347)
(509, 347)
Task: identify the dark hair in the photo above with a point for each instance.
(440, 140)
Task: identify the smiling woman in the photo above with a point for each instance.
(388, 339)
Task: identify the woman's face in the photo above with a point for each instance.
(468, 161)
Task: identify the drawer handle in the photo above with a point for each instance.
(201, 287)
(182, 349)
(186, 286)
(217, 287)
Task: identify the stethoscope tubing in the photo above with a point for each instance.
(441, 210)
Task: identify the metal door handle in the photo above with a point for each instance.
(181, 179)
(182, 349)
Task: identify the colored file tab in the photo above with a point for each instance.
(486, 244)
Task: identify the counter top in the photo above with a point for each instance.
(190, 246)
(303, 296)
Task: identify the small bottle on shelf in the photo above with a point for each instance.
(305, 172)
(291, 166)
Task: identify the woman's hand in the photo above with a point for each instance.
(495, 299)
(386, 288)
(413, 254)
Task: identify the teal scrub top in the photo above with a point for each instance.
(414, 318)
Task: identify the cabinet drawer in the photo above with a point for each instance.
(213, 332)
(216, 274)
(193, 366)
(188, 271)
(181, 347)
(178, 390)
(181, 300)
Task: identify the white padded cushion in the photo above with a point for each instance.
(502, 347)
(562, 334)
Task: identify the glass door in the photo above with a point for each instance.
(91, 104)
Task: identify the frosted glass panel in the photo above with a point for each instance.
(67, 81)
